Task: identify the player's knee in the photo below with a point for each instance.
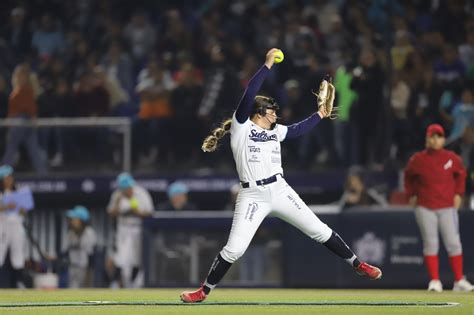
(454, 248)
(430, 248)
(322, 235)
(232, 254)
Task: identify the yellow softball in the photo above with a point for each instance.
(279, 56)
(134, 203)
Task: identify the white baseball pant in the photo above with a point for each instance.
(129, 246)
(279, 199)
(13, 237)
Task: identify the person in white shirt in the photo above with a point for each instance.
(79, 246)
(130, 203)
(255, 141)
(12, 232)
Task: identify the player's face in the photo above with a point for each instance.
(435, 142)
(179, 200)
(128, 192)
(271, 115)
(8, 182)
(267, 120)
(75, 224)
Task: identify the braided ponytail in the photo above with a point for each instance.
(210, 142)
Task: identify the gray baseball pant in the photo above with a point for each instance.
(445, 220)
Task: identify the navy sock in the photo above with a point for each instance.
(217, 271)
(17, 276)
(340, 248)
(135, 271)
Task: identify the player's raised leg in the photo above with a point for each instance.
(250, 210)
(291, 208)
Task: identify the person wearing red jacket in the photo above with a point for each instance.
(435, 181)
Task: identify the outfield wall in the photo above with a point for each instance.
(179, 247)
(388, 238)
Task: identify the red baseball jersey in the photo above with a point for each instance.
(435, 176)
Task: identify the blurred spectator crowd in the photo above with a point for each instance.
(178, 68)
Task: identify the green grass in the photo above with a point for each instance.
(239, 295)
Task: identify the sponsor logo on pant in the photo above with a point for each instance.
(293, 200)
(252, 208)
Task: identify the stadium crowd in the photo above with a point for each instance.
(176, 67)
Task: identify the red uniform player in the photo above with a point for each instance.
(435, 182)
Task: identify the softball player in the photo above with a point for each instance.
(255, 142)
(435, 180)
(130, 203)
(79, 245)
(12, 232)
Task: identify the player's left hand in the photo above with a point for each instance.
(413, 201)
(325, 98)
(457, 202)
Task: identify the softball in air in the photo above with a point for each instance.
(279, 56)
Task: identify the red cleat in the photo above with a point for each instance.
(370, 271)
(193, 296)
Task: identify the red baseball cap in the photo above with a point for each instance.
(434, 129)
